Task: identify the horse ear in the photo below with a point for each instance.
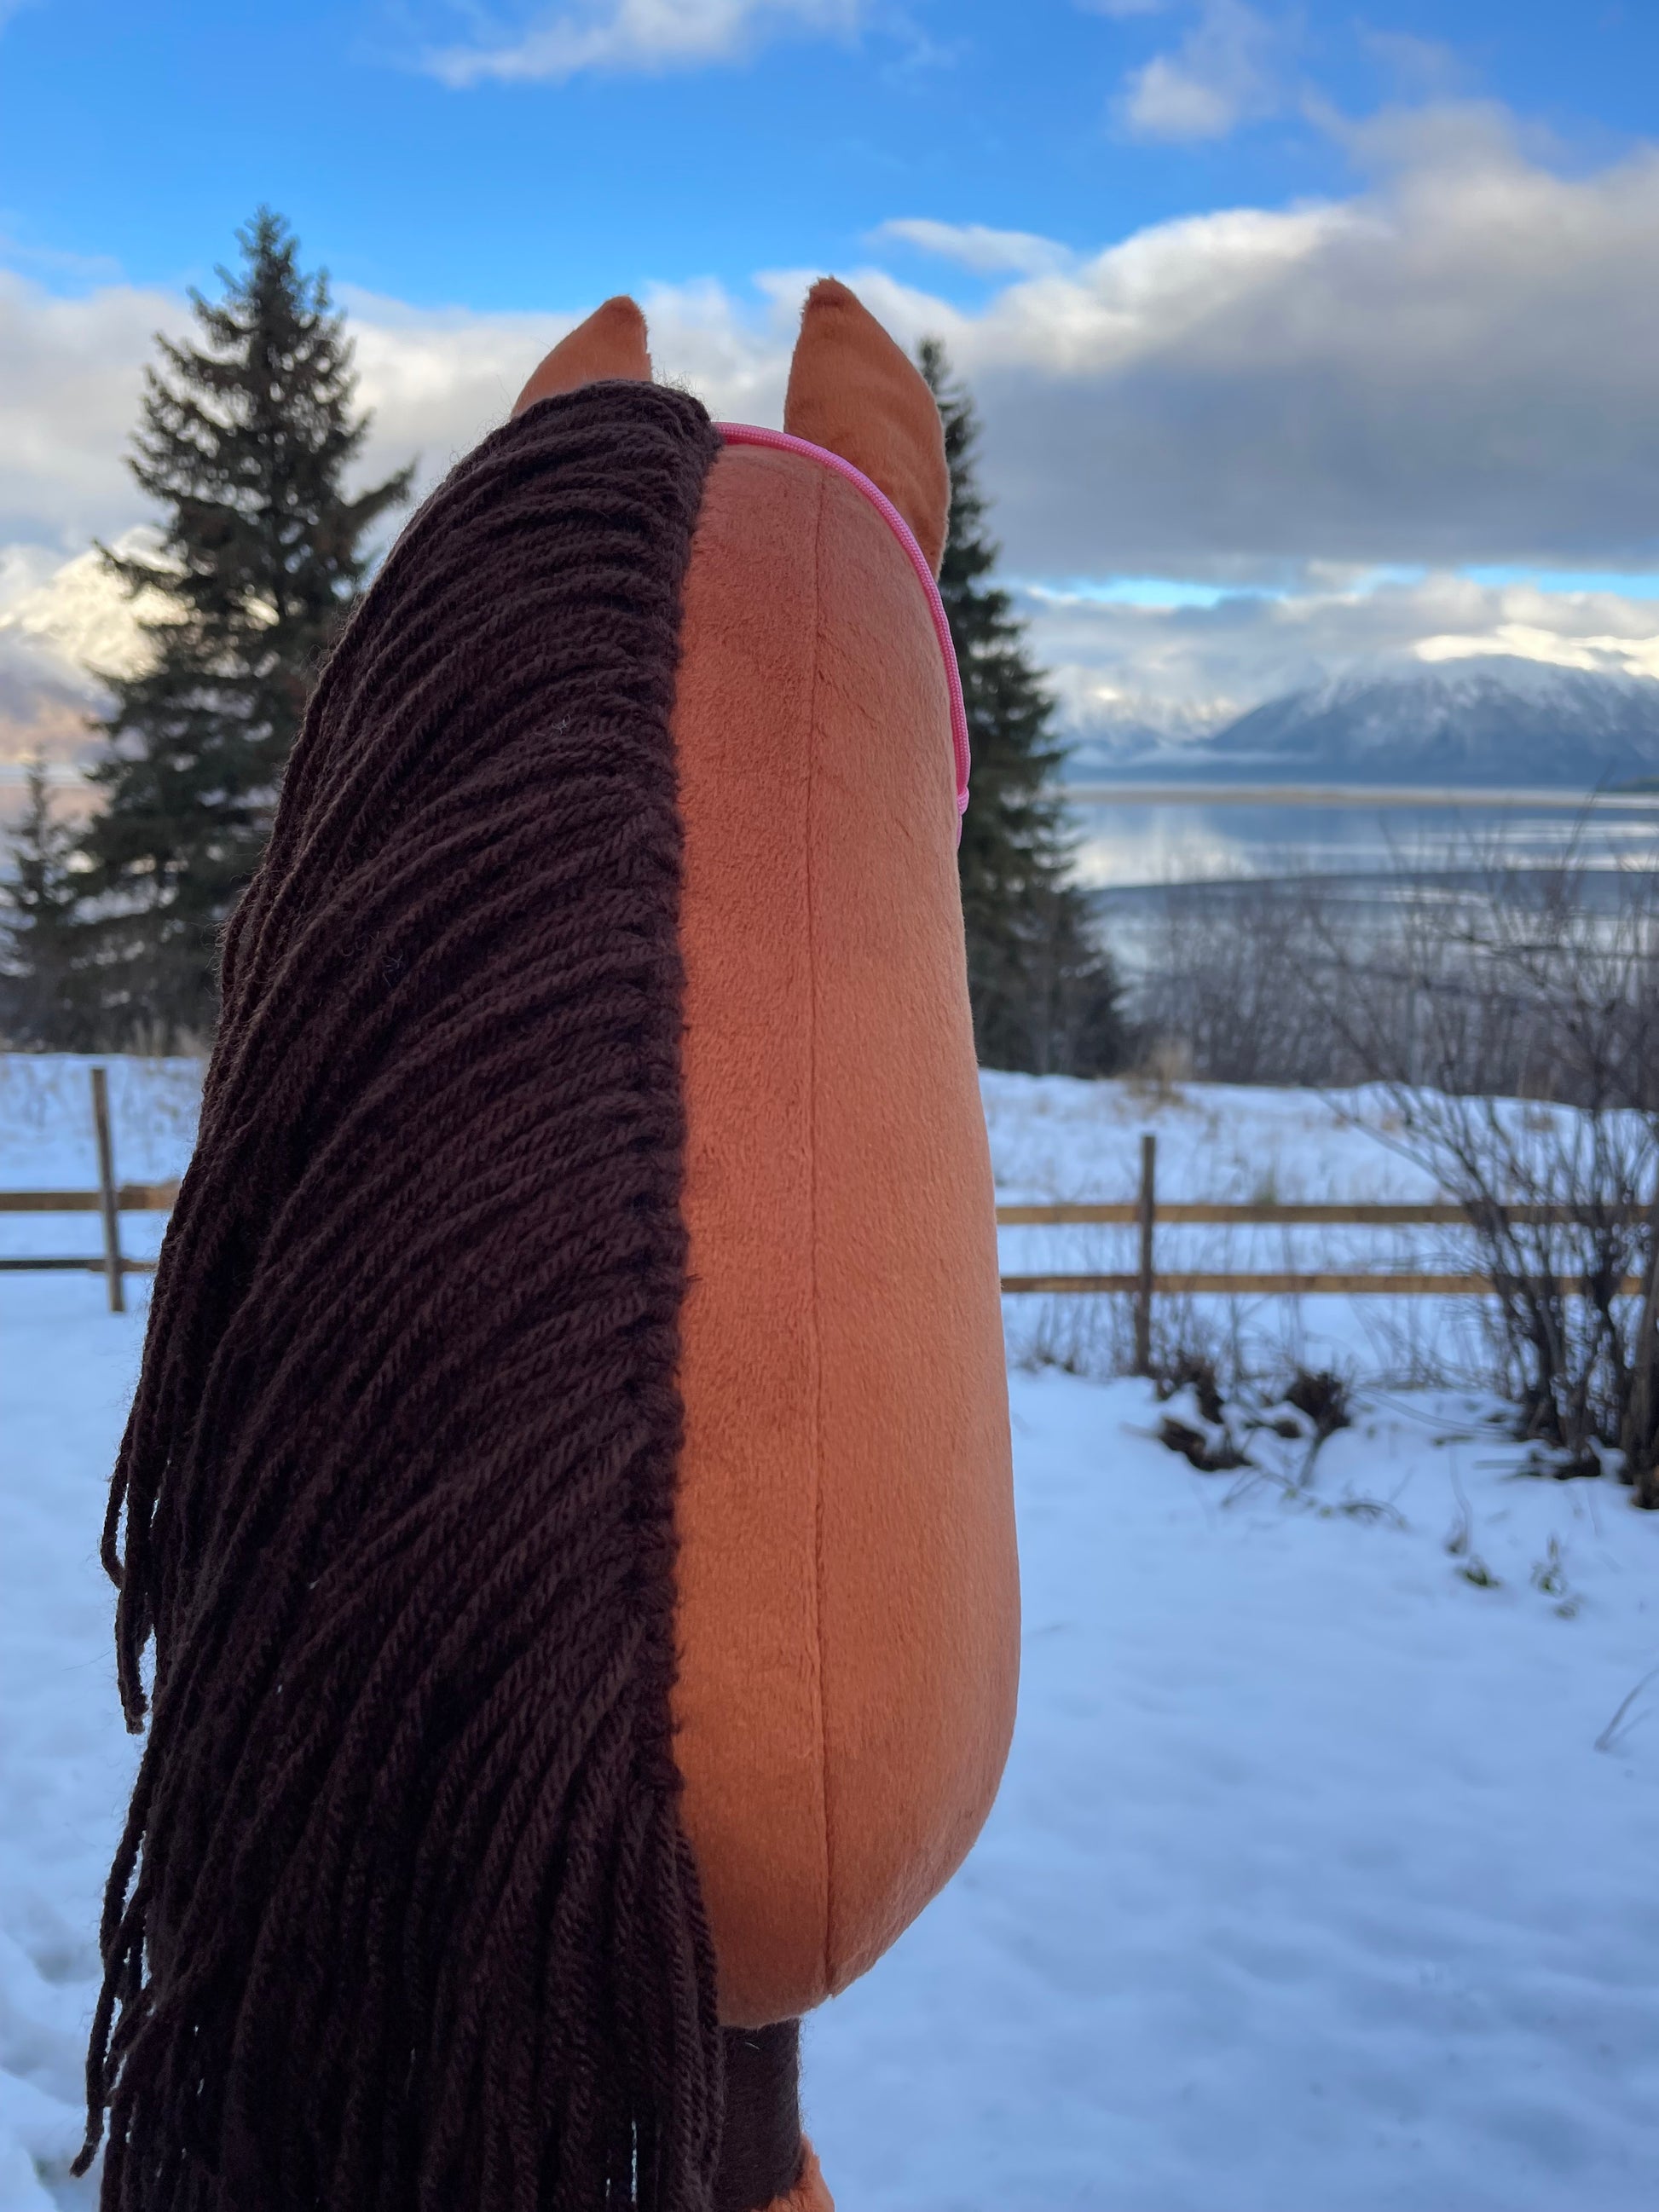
(854, 391)
(610, 344)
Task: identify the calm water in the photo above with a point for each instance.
(1134, 845)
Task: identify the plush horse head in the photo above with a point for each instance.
(567, 1488)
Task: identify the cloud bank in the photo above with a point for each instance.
(1455, 365)
(1127, 668)
(1453, 368)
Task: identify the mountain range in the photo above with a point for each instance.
(1499, 723)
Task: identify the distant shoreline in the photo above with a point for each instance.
(1358, 795)
(65, 775)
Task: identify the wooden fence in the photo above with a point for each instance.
(1145, 1212)
(1147, 1281)
(109, 1201)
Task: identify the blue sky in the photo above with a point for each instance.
(1307, 334)
(134, 139)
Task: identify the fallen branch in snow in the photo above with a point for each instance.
(1609, 1736)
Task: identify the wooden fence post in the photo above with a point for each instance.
(1144, 1289)
(107, 1199)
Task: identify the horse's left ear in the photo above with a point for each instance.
(610, 344)
(854, 391)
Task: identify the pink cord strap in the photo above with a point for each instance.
(751, 434)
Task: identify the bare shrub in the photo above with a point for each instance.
(1505, 1016)
(1512, 1025)
(1225, 991)
(1324, 1397)
(1188, 1369)
(1091, 1335)
(1220, 1431)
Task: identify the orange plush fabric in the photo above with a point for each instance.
(852, 389)
(847, 1601)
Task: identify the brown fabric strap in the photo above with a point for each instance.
(404, 1914)
(761, 2149)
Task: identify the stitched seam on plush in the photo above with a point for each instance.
(784, 442)
(812, 1186)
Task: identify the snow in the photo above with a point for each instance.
(1307, 1888)
(1321, 1877)
(67, 1368)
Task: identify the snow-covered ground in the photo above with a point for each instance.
(1321, 1880)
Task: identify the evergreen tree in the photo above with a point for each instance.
(1045, 992)
(42, 992)
(245, 440)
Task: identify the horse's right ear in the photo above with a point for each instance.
(610, 344)
(855, 391)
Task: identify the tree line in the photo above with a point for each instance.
(246, 442)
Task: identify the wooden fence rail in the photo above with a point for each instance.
(1318, 1283)
(1425, 1214)
(1143, 1212)
(130, 1198)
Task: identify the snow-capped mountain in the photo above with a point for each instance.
(77, 616)
(1506, 722)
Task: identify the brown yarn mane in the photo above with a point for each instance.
(404, 1915)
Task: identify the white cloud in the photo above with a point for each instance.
(1223, 73)
(553, 44)
(436, 382)
(977, 246)
(1606, 655)
(1421, 69)
(68, 400)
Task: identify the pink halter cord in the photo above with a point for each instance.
(751, 434)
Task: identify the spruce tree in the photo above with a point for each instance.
(42, 989)
(245, 440)
(1044, 991)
